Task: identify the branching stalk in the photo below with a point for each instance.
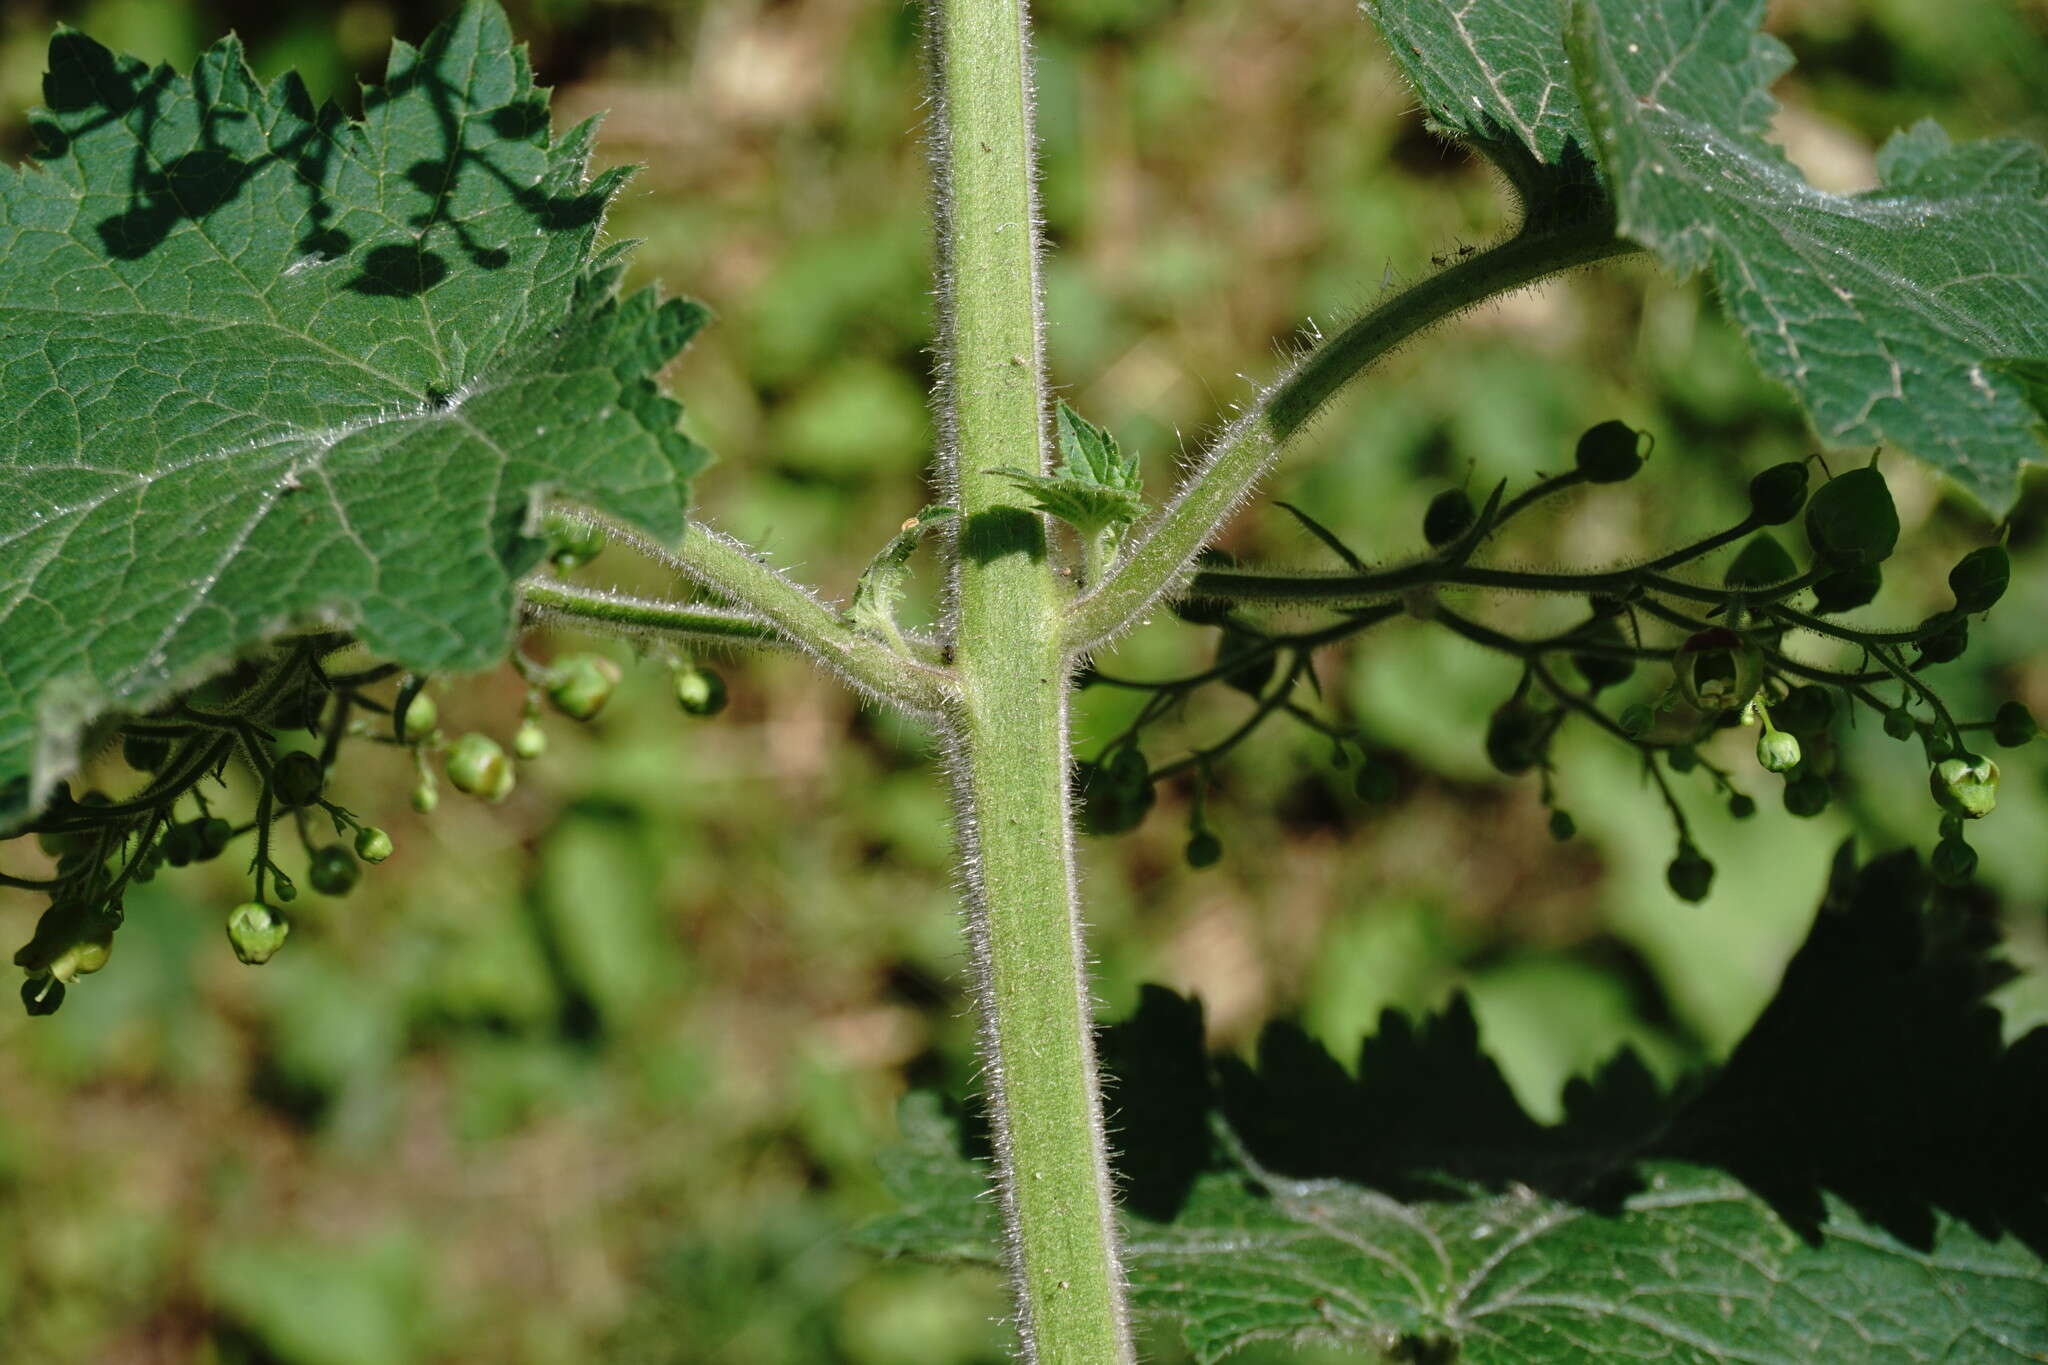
(1337, 589)
(1158, 555)
(790, 610)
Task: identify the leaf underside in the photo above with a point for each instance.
(266, 368)
(1863, 1181)
(1896, 316)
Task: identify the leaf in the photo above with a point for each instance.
(1089, 453)
(1087, 507)
(1885, 312)
(266, 367)
(1905, 315)
(1096, 488)
(881, 584)
(1862, 1181)
(1493, 74)
(1323, 533)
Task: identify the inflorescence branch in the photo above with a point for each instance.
(1727, 666)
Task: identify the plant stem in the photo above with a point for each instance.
(734, 572)
(1008, 735)
(1159, 554)
(619, 614)
(1326, 588)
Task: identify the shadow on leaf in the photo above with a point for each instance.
(1877, 1074)
(196, 150)
(1871, 1142)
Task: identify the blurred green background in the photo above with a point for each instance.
(600, 1074)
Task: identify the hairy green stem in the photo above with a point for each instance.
(738, 575)
(1008, 733)
(1851, 635)
(1157, 557)
(646, 618)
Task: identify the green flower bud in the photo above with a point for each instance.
(424, 796)
(1979, 579)
(1851, 522)
(699, 691)
(257, 932)
(1376, 783)
(1899, 723)
(1604, 670)
(1763, 562)
(1636, 719)
(1203, 849)
(1110, 804)
(1777, 494)
(2013, 725)
(583, 684)
(333, 871)
(1681, 758)
(373, 845)
(1517, 735)
(529, 741)
(297, 780)
(1945, 636)
(417, 721)
(283, 887)
(1806, 710)
(1450, 515)
(1251, 676)
(1690, 876)
(1777, 751)
(1717, 670)
(181, 844)
(1954, 862)
(1128, 767)
(41, 995)
(1562, 826)
(144, 753)
(1846, 589)
(1965, 785)
(1741, 807)
(70, 940)
(214, 836)
(478, 767)
(1610, 452)
(573, 542)
(1807, 794)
